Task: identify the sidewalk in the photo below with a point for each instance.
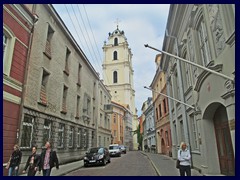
(63, 169)
(165, 165)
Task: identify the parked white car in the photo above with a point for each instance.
(114, 150)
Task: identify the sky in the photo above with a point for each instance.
(142, 24)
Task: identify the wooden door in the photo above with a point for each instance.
(225, 149)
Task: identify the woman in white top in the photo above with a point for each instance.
(184, 157)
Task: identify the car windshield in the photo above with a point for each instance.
(96, 150)
(113, 147)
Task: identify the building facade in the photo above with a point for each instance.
(161, 110)
(117, 123)
(149, 133)
(118, 72)
(18, 24)
(60, 103)
(203, 34)
(104, 117)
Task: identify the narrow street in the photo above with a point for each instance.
(134, 163)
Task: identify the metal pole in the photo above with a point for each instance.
(192, 63)
(171, 98)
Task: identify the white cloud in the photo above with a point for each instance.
(142, 24)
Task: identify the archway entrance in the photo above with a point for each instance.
(224, 143)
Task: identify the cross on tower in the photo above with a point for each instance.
(117, 22)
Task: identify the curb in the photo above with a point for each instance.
(154, 166)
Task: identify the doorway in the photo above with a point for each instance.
(224, 142)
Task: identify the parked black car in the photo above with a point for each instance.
(97, 155)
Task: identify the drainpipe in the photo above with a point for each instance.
(35, 20)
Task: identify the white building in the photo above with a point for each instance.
(118, 73)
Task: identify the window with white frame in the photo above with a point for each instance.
(203, 42)
(46, 131)
(8, 47)
(79, 138)
(61, 135)
(27, 131)
(194, 132)
(70, 141)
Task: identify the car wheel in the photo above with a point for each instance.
(85, 165)
(104, 162)
(109, 161)
(120, 155)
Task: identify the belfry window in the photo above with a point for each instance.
(115, 55)
(115, 77)
(116, 42)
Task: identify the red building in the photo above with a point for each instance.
(17, 30)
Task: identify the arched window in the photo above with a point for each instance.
(115, 55)
(115, 41)
(8, 47)
(115, 77)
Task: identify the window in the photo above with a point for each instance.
(101, 98)
(8, 47)
(27, 131)
(99, 141)
(64, 100)
(165, 106)
(48, 42)
(115, 78)
(79, 74)
(66, 70)
(85, 139)
(160, 110)
(78, 107)
(104, 141)
(167, 139)
(115, 133)
(100, 123)
(194, 132)
(43, 91)
(114, 119)
(115, 41)
(157, 113)
(61, 135)
(177, 85)
(70, 142)
(46, 131)
(115, 55)
(203, 42)
(79, 138)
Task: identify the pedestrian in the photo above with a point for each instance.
(49, 160)
(184, 157)
(32, 163)
(15, 161)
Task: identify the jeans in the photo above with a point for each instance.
(12, 171)
(46, 172)
(184, 169)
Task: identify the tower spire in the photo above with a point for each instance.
(117, 22)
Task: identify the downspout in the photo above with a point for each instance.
(35, 19)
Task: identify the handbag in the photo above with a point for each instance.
(178, 164)
(8, 163)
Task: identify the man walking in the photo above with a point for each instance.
(49, 160)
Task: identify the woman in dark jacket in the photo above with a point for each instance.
(15, 160)
(33, 162)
